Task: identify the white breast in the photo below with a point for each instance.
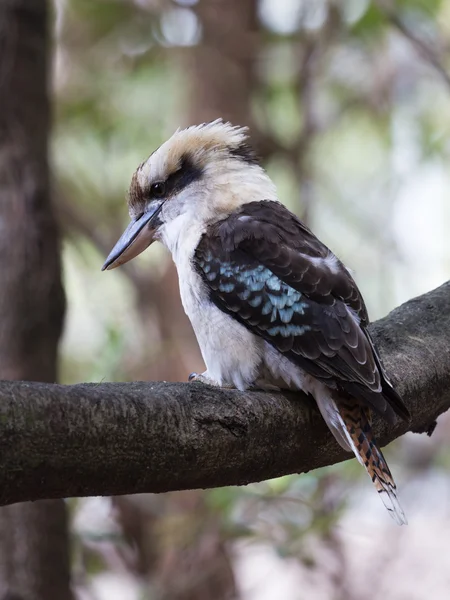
(232, 354)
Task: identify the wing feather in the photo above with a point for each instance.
(266, 268)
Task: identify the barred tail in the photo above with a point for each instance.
(357, 428)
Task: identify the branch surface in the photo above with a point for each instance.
(59, 441)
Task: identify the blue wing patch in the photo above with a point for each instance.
(278, 304)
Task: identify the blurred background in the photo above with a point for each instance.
(348, 104)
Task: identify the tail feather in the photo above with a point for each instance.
(390, 394)
(356, 425)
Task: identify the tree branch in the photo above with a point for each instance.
(430, 55)
(124, 438)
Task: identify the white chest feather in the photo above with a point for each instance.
(232, 354)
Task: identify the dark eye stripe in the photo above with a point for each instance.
(184, 176)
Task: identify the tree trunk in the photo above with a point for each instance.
(222, 68)
(34, 557)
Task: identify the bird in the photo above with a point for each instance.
(271, 306)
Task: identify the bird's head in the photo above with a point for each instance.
(197, 177)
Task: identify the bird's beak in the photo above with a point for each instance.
(135, 239)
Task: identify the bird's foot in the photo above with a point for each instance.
(203, 378)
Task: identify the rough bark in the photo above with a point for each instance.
(123, 438)
(34, 560)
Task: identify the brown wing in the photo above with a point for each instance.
(266, 268)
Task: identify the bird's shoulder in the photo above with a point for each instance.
(267, 234)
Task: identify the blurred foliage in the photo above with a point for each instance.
(349, 106)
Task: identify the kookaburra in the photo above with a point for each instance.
(270, 304)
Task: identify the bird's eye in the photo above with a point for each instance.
(158, 189)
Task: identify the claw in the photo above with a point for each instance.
(201, 378)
